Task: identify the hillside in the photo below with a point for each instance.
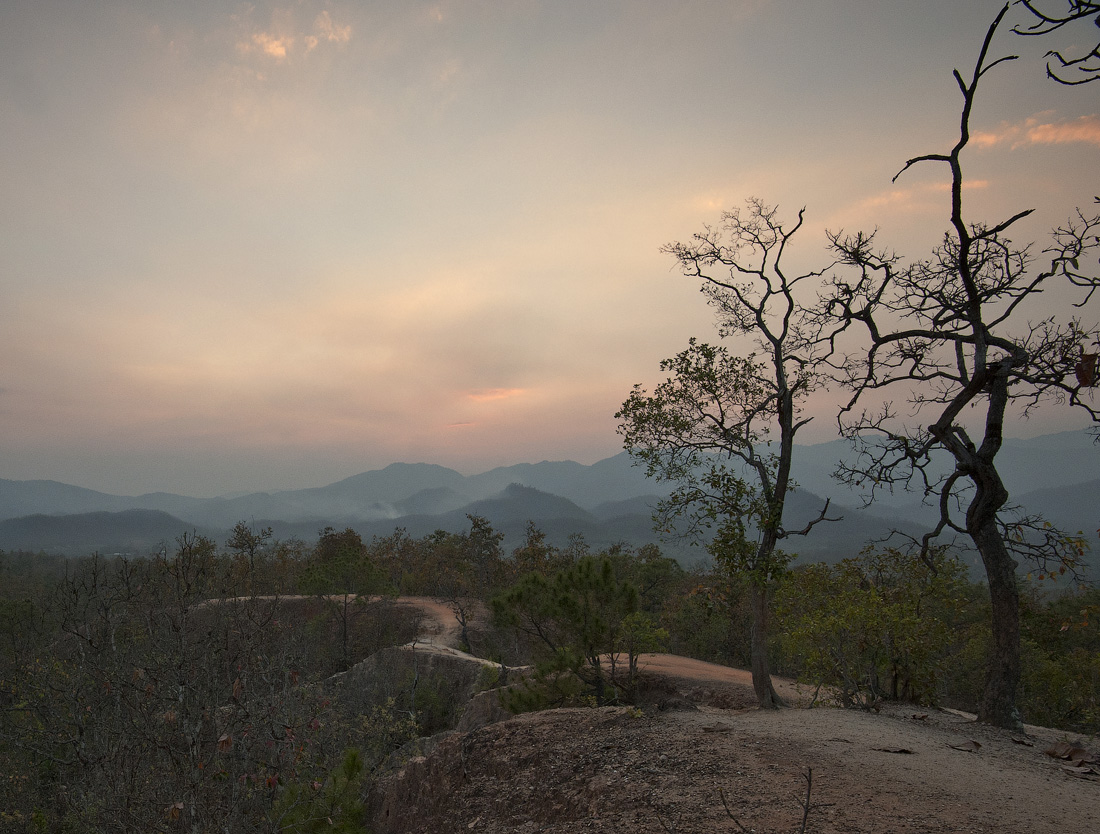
(606, 770)
(127, 531)
(697, 738)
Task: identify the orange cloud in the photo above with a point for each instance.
(490, 394)
(1084, 129)
(279, 44)
(909, 196)
(329, 31)
(272, 46)
(1035, 131)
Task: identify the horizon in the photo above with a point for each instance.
(475, 472)
(285, 243)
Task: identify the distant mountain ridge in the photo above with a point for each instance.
(378, 494)
(606, 502)
(126, 531)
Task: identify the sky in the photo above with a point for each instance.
(267, 246)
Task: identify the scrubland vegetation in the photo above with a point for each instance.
(198, 686)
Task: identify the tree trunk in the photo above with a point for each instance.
(998, 704)
(344, 633)
(766, 696)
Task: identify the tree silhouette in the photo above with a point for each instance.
(709, 427)
(960, 334)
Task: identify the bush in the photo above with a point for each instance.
(875, 628)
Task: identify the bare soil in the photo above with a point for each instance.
(699, 757)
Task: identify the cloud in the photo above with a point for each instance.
(909, 197)
(327, 30)
(1036, 130)
(490, 394)
(273, 46)
(285, 37)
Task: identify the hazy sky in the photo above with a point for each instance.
(271, 245)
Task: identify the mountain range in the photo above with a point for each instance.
(607, 502)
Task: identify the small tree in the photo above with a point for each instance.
(574, 620)
(469, 568)
(955, 331)
(342, 576)
(536, 555)
(707, 428)
(247, 545)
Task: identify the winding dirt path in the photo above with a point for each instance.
(679, 765)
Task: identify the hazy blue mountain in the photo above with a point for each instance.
(612, 479)
(129, 531)
(19, 498)
(367, 496)
(607, 502)
(515, 504)
(386, 494)
(1043, 462)
(639, 505)
(396, 481)
(1073, 508)
(510, 510)
(431, 502)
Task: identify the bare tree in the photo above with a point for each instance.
(722, 428)
(1071, 71)
(960, 333)
(162, 702)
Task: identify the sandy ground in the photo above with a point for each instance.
(699, 757)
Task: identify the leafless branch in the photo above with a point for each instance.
(1087, 65)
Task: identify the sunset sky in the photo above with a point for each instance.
(272, 245)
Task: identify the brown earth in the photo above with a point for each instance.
(666, 767)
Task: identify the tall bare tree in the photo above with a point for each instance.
(960, 333)
(722, 427)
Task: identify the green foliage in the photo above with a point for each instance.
(657, 577)
(330, 806)
(467, 568)
(342, 575)
(639, 634)
(535, 555)
(574, 620)
(874, 628)
(385, 728)
(340, 565)
(710, 619)
(488, 678)
(1061, 661)
(1061, 690)
(705, 428)
(686, 433)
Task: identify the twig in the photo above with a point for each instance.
(809, 777)
(657, 814)
(805, 803)
(729, 813)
